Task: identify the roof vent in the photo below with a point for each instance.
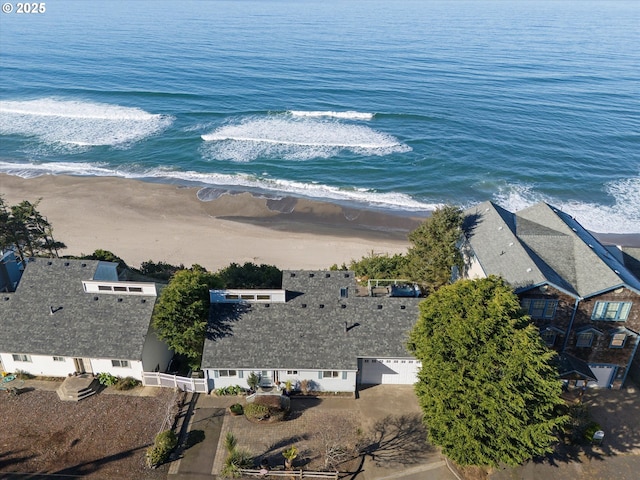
(95, 299)
(617, 272)
(49, 262)
(511, 244)
(343, 306)
(327, 275)
(311, 275)
(119, 300)
(83, 265)
(66, 264)
(321, 305)
(6, 298)
(500, 227)
(144, 300)
(590, 246)
(346, 275)
(266, 305)
(529, 270)
(292, 274)
(402, 307)
(379, 307)
(304, 305)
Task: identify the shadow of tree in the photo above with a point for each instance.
(87, 468)
(397, 439)
(11, 457)
(221, 319)
(273, 454)
(194, 437)
(300, 404)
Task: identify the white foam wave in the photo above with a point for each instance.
(348, 115)
(79, 123)
(623, 216)
(391, 200)
(296, 139)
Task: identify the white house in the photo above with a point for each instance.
(75, 316)
(317, 328)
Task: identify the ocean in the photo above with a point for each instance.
(397, 105)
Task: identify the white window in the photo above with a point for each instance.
(292, 372)
(618, 340)
(539, 307)
(584, 339)
(611, 311)
(18, 357)
(58, 359)
(228, 373)
(330, 374)
(120, 363)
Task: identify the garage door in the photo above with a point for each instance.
(604, 374)
(374, 371)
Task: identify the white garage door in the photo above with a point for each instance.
(376, 371)
(604, 374)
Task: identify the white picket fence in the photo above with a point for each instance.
(156, 379)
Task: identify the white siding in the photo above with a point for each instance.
(42, 365)
(398, 371)
(101, 366)
(604, 374)
(155, 353)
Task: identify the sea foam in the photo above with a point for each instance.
(292, 138)
(348, 115)
(79, 124)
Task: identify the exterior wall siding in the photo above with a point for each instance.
(156, 355)
(337, 384)
(44, 365)
(600, 351)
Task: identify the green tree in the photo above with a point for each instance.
(487, 386)
(379, 266)
(251, 275)
(435, 248)
(182, 312)
(24, 229)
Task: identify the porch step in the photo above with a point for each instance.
(74, 389)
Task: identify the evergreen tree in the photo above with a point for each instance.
(435, 248)
(182, 312)
(487, 385)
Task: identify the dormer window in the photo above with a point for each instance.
(618, 340)
(584, 339)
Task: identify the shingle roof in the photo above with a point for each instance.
(541, 244)
(83, 324)
(308, 331)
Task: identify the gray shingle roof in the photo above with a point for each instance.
(300, 334)
(563, 252)
(83, 324)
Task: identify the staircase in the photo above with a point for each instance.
(74, 389)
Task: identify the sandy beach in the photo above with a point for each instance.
(141, 221)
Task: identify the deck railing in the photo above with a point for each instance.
(156, 379)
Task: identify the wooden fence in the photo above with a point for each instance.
(186, 384)
(300, 474)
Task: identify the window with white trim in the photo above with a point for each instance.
(611, 311)
(618, 340)
(329, 374)
(19, 357)
(120, 363)
(58, 359)
(584, 339)
(539, 307)
(227, 373)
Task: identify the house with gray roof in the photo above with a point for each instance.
(319, 327)
(75, 316)
(584, 299)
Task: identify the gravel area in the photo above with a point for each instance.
(103, 436)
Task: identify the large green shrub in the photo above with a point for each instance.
(164, 443)
(127, 383)
(254, 411)
(107, 379)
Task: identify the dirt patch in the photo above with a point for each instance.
(103, 436)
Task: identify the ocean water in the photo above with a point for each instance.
(396, 105)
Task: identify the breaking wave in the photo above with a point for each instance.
(349, 115)
(79, 124)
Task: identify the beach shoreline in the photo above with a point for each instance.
(141, 221)
(213, 227)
